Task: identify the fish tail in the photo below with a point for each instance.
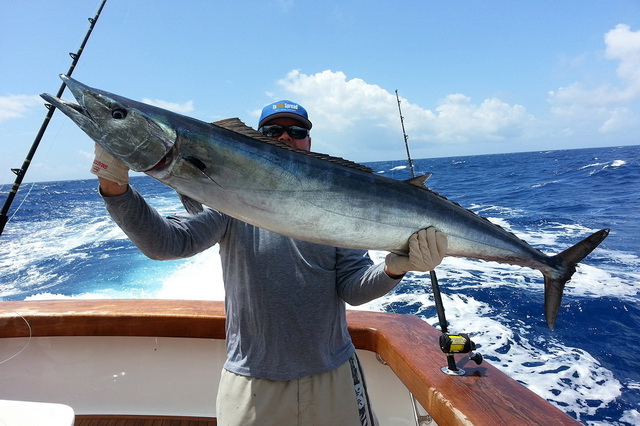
(566, 262)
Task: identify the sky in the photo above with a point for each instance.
(473, 77)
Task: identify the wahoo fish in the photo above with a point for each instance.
(313, 197)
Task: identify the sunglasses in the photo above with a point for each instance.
(276, 130)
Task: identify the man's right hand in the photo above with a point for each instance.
(112, 173)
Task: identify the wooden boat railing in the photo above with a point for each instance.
(484, 396)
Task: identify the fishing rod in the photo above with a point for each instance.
(449, 343)
(51, 109)
(406, 137)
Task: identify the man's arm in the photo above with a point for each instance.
(164, 238)
(111, 189)
(359, 282)
(158, 237)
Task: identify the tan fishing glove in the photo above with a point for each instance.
(108, 167)
(427, 248)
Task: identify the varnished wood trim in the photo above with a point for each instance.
(125, 420)
(485, 396)
(131, 317)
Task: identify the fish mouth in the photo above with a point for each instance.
(69, 108)
(75, 111)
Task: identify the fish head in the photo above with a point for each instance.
(138, 134)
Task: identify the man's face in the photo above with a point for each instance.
(304, 144)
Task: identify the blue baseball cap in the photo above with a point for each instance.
(284, 109)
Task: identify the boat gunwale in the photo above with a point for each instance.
(409, 345)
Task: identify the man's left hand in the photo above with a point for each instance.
(427, 248)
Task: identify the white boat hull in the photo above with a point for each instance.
(161, 376)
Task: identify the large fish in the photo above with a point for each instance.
(302, 195)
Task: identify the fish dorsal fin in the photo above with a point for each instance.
(236, 125)
(419, 181)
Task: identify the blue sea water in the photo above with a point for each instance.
(60, 243)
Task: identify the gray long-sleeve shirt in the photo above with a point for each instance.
(284, 298)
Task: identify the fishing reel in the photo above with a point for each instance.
(457, 344)
(451, 343)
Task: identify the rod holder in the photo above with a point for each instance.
(451, 343)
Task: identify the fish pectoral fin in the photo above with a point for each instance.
(200, 166)
(419, 181)
(566, 265)
(192, 206)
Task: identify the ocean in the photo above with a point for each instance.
(60, 243)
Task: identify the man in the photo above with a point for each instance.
(290, 359)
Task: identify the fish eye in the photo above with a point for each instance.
(118, 113)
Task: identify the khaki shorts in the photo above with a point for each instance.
(338, 397)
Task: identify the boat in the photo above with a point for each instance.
(158, 362)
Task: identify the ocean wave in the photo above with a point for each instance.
(568, 377)
(597, 168)
(542, 185)
(593, 165)
(484, 210)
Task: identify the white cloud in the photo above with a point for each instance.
(624, 45)
(16, 106)
(458, 119)
(183, 108)
(617, 120)
(338, 103)
(86, 155)
(604, 105)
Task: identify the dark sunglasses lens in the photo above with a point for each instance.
(297, 132)
(272, 131)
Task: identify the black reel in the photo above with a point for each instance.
(459, 344)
